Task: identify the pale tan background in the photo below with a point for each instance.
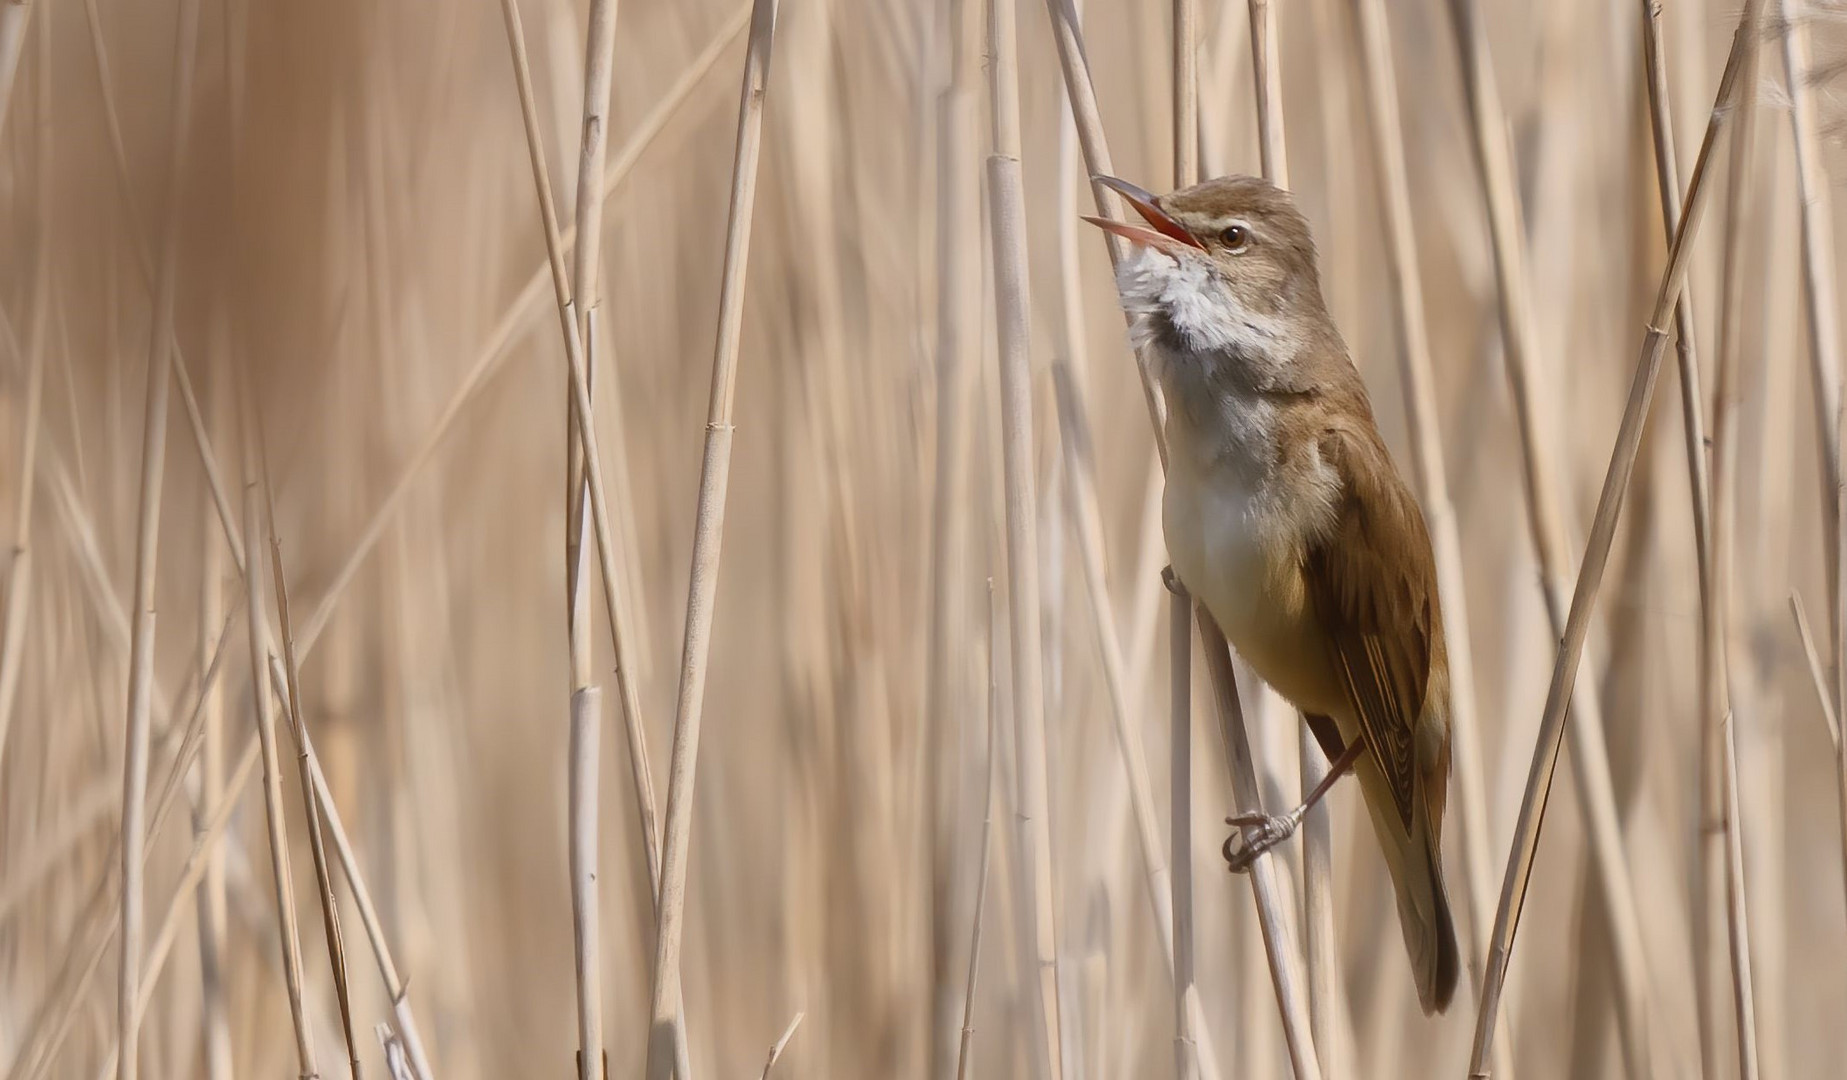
(356, 226)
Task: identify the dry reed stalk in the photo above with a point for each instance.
(323, 796)
(1083, 102)
(395, 986)
(1823, 326)
(1422, 418)
(1327, 1006)
(1603, 528)
(1547, 520)
(1823, 311)
(112, 614)
(1712, 634)
(111, 611)
(487, 360)
(1766, 703)
(586, 727)
(782, 1043)
(1334, 109)
(1267, 69)
(192, 872)
(317, 845)
(1087, 523)
(1007, 222)
(139, 245)
(1186, 93)
(582, 413)
(497, 345)
(1180, 690)
(19, 576)
(987, 849)
(1145, 603)
(1186, 1054)
(1722, 831)
(708, 539)
(278, 677)
(95, 927)
(1081, 96)
(585, 702)
(1073, 350)
(14, 15)
(274, 813)
(147, 534)
(214, 1013)
(958, 332)
(599, 71)
(633, 651)
(1818, 674)
(1738, 925)
(98, 586)
(1322, 952)
(1817, 669)
(397, 1059)
(1086, 518)
(495, 349)
(192, 737)
(1272, 910)
(614, 603)
(1224, 54)
(1667, 183)
(134, 838)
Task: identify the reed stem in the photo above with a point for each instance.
(708, 543)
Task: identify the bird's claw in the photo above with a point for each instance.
(1172, 581)
(1256, 834)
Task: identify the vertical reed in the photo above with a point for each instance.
(274, 813)
(958, 334)
(708, 541)
(1181, 694)
(985, 866)
(1603, 528)
(1007, 210)
(147, 536)
(317, 845)
(1723, 846)
(1546, 511)
(1421, 415)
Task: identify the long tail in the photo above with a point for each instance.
(1415, 859)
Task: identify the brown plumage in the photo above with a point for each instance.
(1285, 515)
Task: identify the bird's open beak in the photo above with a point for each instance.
(1166, 235)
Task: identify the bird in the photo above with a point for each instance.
(1286, 517)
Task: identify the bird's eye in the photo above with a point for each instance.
(1235, 238)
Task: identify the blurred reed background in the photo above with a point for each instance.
(322, 218)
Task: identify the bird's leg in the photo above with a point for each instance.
(1260, 832)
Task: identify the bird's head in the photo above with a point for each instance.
(1224, 266)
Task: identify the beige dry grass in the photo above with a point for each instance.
(329, 208)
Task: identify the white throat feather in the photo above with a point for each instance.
(1184, 298)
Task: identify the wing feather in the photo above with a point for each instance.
(1372, 581)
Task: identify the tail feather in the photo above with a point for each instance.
(1438, 963)
(1416, 863)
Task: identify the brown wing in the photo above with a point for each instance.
(1373, 583)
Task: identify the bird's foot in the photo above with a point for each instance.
(1172, 581)
(1256, 834)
